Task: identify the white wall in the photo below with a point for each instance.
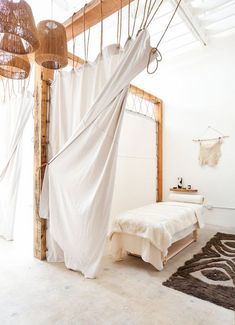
(135, 181)
(198, 89)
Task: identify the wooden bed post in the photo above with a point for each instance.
(41, 104)
(159, 121)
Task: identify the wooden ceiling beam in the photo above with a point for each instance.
(92, 15)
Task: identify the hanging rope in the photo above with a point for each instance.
(169, 23)
(29, 78)
(74, 41)
(129, 19)
(3, 87)
(148, 13)
(120, 31)
(88, 42)
(136, 12)
(13, 87)
(18, 87)
(143, 19)
(21, 86)
(154, 14)
(154, 50)
(48, 117)
(8, 89)
(51, 9)
(101, 26)
(119, 25)
(84, 33)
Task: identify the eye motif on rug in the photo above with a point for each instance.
(210, 275)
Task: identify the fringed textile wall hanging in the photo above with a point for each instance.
(210, 148)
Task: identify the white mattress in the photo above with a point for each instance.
(123, 241)
(183, 233)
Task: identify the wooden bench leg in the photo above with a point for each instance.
(195, 235)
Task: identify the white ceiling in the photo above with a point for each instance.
(196, 23)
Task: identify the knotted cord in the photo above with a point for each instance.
(129, 19)
(155, 12)
(118, 23)
(4, 91)
(143, 19)
(88, 42)
(119, 26)
(166, 29)
(101, 26)
(136, 12)
(148, 13)
(84, 33)
(74, 41)
(154, 50)
(13, 87)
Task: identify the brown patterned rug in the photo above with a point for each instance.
(209, 275)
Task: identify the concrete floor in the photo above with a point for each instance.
(128, 292)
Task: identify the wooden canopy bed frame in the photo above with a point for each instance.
(43, 79)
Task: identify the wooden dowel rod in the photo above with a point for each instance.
(92, 15)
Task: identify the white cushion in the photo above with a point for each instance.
(188, 198)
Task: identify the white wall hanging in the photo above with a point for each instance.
(210, 147)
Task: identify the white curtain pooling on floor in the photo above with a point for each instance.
(14, 114)
(86, 115)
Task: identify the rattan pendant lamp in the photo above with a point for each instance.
(17, 23)
(52, 53)
(11, 65)
(14, 66)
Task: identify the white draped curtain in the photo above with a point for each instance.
(14, 114)
(86, 115)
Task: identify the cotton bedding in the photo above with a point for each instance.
(152, 229)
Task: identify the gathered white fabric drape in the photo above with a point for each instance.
(14, 114)
(86, 114)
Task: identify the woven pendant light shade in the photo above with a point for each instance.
(17, 22)
(52, 53)
(14, 66)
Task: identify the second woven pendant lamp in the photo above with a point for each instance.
(11, 65)
(14, 66)
(52, 53)
(17, 23)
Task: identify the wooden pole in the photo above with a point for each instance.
(41, 104)
(75, 24)
(159, 121)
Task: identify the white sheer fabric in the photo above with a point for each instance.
(14, 114)
(86, 114)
